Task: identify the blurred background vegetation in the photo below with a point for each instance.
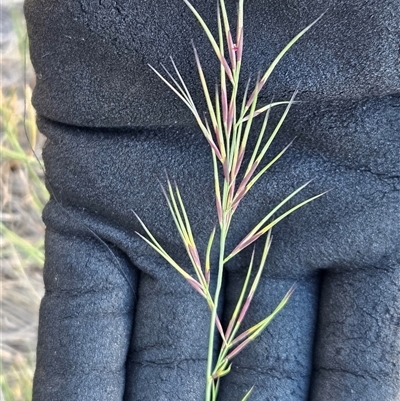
(22, 198)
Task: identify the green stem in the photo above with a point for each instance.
(209, 373)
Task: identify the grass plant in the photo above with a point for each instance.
(227, 127)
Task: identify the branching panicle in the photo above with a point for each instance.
(231, 120)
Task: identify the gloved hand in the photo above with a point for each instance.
(117, 322)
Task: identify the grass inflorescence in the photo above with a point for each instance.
(227, 128)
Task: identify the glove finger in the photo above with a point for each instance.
(358, 340)
(85, 316)
(167, 358)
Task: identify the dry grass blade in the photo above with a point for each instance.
(24, 246)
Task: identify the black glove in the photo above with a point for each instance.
(117, 322)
